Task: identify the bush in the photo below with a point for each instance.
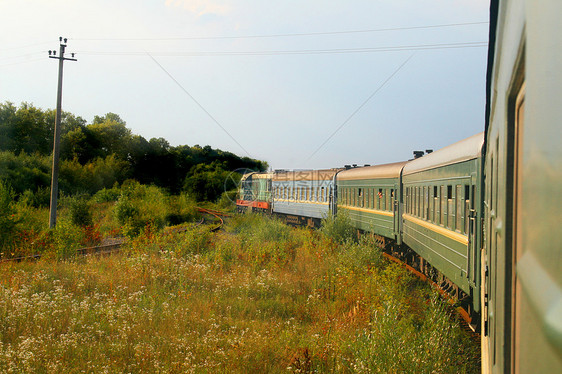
(107, 195)
(67, 237)
(339, 228)
(8, 219)
(80, 213)
(182, 209)
(140, 206)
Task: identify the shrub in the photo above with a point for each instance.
(107, 195)
(67, 237)
(339, 228)
(140, 206)
(80, 213)
(41, 198)
(8, 219)
(182, 209)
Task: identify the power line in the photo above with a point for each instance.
(22, 62)
(26, 55)
(289, 34)
(297, 52)
(196, 102)
(360, 107)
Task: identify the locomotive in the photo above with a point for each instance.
(479, 216)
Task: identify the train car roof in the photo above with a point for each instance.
(265, 175)
(305, 175)
(373, 172)
(464, 150)
(256, 175)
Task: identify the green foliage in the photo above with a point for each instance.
(339, 228)
(194, 241)
(67, 237)
(25, 172)
(40, 198)
(97, 155)
(182, 209)
(8, 219)
(93, 176)
(80, 212)
(209, 182)
(107, 195)
(360, 255)
(140, 206)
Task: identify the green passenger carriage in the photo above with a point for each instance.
(441, 199)
(370, 197)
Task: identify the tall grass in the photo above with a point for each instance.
(258, 297)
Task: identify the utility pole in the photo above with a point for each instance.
(56, 146)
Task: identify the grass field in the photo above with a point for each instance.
(258, 297)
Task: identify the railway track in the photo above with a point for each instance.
(115, 244)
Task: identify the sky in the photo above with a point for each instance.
(298, 83)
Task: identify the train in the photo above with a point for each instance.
(478, 216)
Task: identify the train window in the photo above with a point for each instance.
(387, 199)
(410, 204)
(419, 208)
(436, 205)
(407, 200)
(466, 207)
(418, 201)
(450, 208)
(460, 211)
(443, 206)
(430, 204)
(413, 201)
(424, 203)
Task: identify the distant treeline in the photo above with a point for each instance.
(99, 155)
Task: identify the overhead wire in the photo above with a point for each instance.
(288, 34)
(295, 52)
(360, 107)
(197, 102)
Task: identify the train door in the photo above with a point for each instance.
(498, 265)
(519, 111)
(501, 198)
(395, 201)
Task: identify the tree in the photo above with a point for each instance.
(208, 182)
